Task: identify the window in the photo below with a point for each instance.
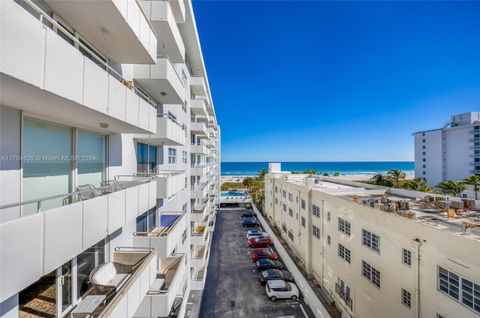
(276, 201)
(328, 216)
(147, 221)
(290, 212)
(290, 197)
(284, 207)
(172, 155)
(303, 205)
(344, 253)
(146, 158)
(86, 262)
(290, 234)
(406, 298)
(371, 240)
(424, 160)
(276, 189)
(184, 157)
(371, 274)
(344, 292)
(284, 228)
(303, 221)
(406, 257)
(184, 236)
(91, 158)
(423, 147)
(328, 239)
(315, 231)
(284, 193)
(344, 226)
(461, 289)
(316, 211)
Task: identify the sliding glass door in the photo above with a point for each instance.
(47, 164)
(91, 158)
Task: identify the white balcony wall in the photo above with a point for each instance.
(170, 42)
(161, 81)
(199, 129)
(198, 86)
(163, 245)
(65, 85)
(169, 185)
(117, 28)
(198, 107)
(178, 10)
(168, 133)
(33, 246)
(129, 301)
(200, 149)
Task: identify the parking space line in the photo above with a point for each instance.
(303, 310)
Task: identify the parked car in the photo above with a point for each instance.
(250, 223)
(272, 274)
(280, 289)
(263, 253)
(263, 241)
(264, 264)
(248, 214)
(255, 233)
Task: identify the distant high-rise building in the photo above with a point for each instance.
(451, 152)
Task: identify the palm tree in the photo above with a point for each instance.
(261, 174)
(475, 181)
(417, 184)
(396, 175)
(248, 182)
(452, 187)
(380, 179)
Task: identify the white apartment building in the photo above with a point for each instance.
(379, 252)
(109, 158)
(451, 152)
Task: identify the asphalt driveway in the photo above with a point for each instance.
(232, 288)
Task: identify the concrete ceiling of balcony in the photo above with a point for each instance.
(102, 24)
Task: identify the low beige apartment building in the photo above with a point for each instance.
(380, 252)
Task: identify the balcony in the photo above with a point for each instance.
(199, 191)
(169, 132)
(199, 129)
(118, 29)
(198, 281)
(198, 256)
(58, 234)
(160, 298)
(198, 86)
(178, 10)
(199, 170)
(163, 239)
(44, 74)
(196, 238)
(170, 183)
(199, 149)
(198, 107)
(169, 39)
(161, 80)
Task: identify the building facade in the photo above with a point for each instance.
(451, 152)
(109, 158)
(379, 252)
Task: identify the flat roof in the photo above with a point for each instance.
(415, 206)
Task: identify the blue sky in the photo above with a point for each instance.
(337, 81)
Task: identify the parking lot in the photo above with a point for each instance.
(232, 288)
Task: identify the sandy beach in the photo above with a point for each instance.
(346, 177)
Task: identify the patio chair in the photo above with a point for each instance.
(87, 191)
(110, 277)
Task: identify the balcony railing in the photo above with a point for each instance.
(78, 42)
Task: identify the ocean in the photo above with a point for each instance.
(251, 168)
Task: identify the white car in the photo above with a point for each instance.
(280, 289)
(256, 233)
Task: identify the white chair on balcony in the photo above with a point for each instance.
(110, 277)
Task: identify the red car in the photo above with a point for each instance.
(264, 253)
(264, 241)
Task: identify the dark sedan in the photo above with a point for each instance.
(264, 264)
(271, 274)
(250, 223)
(248, 214)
